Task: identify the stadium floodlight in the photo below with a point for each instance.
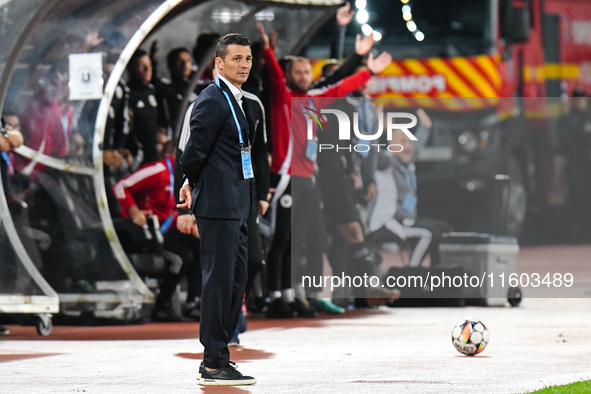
(360, 4)
(404, 1)
(366, 29)
(406, 8)
(419, 35)
(362, 16)
(411, 26)
(377, 36)
(263, 16)
(407, 16)
(225, 16)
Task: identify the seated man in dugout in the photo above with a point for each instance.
(150, 190)
(393, 217)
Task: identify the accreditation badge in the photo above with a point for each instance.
(312, 149)
(247, 170)
(409, 203)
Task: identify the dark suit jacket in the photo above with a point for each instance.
(212, 160)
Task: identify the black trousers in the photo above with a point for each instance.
(279, 258)
(224, 255)
(256, 254)
(303, 192)
(315, 238)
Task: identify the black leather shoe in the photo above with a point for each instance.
(225, 376)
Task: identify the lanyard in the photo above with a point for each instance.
(411, 179)
(8, 163)
(166, 225)
(311, 104)
(217, 82)
(365, 116)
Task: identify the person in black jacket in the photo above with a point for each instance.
(260, 204)
(218, 167)
(143, 103)
(173, 90)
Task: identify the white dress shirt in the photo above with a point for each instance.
(235, 91)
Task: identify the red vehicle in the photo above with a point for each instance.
(485, 70)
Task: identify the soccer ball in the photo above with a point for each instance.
(470, 336)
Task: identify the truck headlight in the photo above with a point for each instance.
(468, 141)
(471, 141)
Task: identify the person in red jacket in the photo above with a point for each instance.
(293, 166)
(150, 190)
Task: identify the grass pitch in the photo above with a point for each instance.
(583, 387)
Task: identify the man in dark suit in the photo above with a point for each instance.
(218, 168)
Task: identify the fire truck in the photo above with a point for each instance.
(490, 74)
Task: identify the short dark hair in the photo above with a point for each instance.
(230, 39)
(257, 49)
(173, 54)
(203, 44)
(168, 148)
(9, 110)
(135, 57)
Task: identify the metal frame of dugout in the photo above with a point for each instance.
(61, 246)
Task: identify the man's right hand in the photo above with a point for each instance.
(113, 158)
(263, 36)
(424, 119)
(345, 15)
(127, 156)
(138, 216)
(185, 197)
(380, 63)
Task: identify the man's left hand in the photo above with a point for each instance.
(4, 144)
(378, 64)
(370, 195)
(362, 46)
(184, 223)
(263, 206)
(355, 181)
(185, 197)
